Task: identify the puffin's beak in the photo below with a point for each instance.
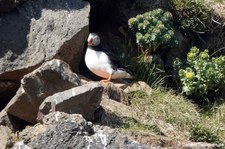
(90, 41)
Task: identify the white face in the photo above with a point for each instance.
(93, 39)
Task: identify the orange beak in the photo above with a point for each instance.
(90, 41)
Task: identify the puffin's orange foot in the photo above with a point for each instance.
(107, 80)
(104, 81)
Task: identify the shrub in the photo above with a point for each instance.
(153, 29)
(194, 15)
(202, 134)
(201, 73)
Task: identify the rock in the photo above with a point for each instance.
(82, 100)
(10, 121)
(7, 5)
(198, 145)
(40, 30)
(62, 130)
(139, 86)
(51, 77)
(72, 131)
(115, 93)
(7, 91)
(166, 129)
(111, 113)
(5, 120)
(20, 145)
(117, 108)
(31, 132)
(5, 139)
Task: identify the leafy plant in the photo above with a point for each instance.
(194, 15)
(202, 134)
(153, 29)
(201, 73)
(149, 72)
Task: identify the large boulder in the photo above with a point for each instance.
(61, 130)
(82, 100)
(34, 33)
(40, 30)
(114, 92)
(51, 77)
(11, 122)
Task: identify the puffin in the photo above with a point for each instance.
(103, 63)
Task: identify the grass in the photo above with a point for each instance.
(167, 107)
(162, 106)
(134, 126)
(188, 121)
(185, 118)
(149, 73)
(215, 120)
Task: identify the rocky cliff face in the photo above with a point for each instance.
(41, 45)
(72, 131)
(38, 31)
(42, 95)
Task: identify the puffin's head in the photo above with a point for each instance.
(93, 39)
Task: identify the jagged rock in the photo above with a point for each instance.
(138, 86)
(72, 131)
(39, 30)
(115, 93)
(81, 100)
(6, 120)
(51, 77)
(5, 139)
(20, 145)
(31, 132)
(116, 107)
(112, 112)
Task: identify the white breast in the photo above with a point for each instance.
(98, 62)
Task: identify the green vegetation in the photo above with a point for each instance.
(201, 73)
(202, 134)
(150, 73)
(214, 120)
(165, 106)
(134, 126)
(151, 113)
(153, 29)
(192, 15)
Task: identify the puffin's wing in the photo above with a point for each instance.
(116, 64)
(113, 60)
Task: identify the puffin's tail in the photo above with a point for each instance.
(122, 73)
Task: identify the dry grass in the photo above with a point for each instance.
(164, 106)
(218, 7)
(174, 116)
(215, 120)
